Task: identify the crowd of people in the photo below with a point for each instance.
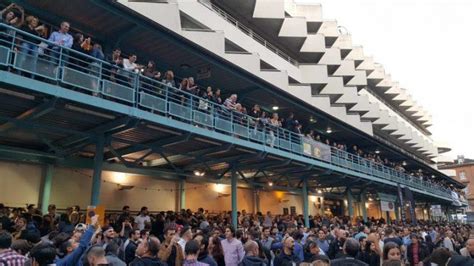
(28, 237)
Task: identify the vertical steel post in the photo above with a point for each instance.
(305, 202)
(363, 207)
(350, 201)
(182, 194)
(46, 195)
(234, 197)
(96, 177)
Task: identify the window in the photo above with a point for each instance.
(462, 175)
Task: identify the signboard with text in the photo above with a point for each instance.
(387, 206)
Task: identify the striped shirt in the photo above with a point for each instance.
(9, 257)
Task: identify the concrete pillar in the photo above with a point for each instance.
(234, 197)
(46, 193)
(96, 177)
(305, 202)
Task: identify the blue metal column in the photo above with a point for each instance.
(182, 194)
(305, 202)
(48, 180)
(234, 197)
(363, 207)
(96, 177)
(350, 201)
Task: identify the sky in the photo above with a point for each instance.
(426, 45)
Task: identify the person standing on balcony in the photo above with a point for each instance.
(12, 16)
(169, 79)
(151, 72)
(231, 102)
(60, 38)
(29, 45)
(81, 45)
(129, 63)
(217, 96)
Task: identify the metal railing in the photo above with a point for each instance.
(249, 32)
(37, 58)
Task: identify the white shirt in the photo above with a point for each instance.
(140, 220)
(182, 243)
(127, 65)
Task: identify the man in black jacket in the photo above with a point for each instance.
(130, 246)
(287, 256)
(351, 248)
(336, 246)
(251, 255)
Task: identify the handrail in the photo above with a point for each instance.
(101, 79)
(249, 32)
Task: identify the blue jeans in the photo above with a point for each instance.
(28, 51)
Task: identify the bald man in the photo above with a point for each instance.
(251, 255)
(96, 256)
(468, 251)
(287, 255)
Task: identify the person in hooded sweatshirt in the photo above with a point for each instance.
(251, 255)
(147, 252)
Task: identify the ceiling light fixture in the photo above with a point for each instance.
(275, 108)
(199, 173)
(270, 184)
(329, 130)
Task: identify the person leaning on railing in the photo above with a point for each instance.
(60, 38)
(29, 45)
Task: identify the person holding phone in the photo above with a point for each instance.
(74, 249)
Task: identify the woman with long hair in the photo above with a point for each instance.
(216, 251)
(370, 254)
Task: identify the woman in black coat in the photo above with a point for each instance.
(370, 255)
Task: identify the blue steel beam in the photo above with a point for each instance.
(137, 147)
(31, 125)
(31, 114)
(98, 130)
